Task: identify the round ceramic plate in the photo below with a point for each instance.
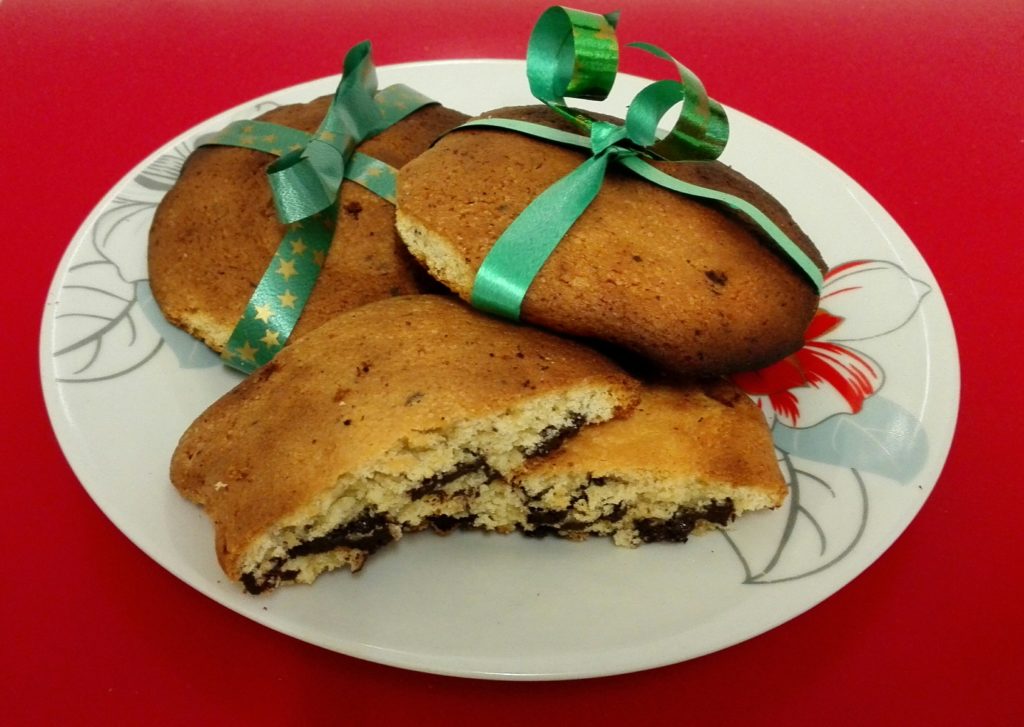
(861, 441)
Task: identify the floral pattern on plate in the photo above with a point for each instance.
(824, 406)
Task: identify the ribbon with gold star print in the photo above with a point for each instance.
(305, 180)
(575, 53)
(278, 300)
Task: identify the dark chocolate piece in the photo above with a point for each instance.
(444, 524)
(368, 532)
(551, 437)
(436, 482)
(546, 517)
(677, 528)
(268, 580)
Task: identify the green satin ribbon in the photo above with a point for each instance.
(575, 53)
(305, 181)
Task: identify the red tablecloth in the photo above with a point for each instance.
(918, 100)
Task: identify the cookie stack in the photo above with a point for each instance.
(397, 407)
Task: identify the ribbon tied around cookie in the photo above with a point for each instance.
(573, 53)
(306, 179)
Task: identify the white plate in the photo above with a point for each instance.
(121, 385)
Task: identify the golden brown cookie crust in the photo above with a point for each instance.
(680, 281)
(709, 430)
(216, 231)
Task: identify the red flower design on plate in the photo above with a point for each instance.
(859, 300)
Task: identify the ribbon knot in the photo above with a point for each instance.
(605, 137)
(306, 180)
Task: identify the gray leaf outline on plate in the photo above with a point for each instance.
(107, 322)
(828, 547)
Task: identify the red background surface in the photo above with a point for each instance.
(920, 101)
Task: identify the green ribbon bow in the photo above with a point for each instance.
(575, 53)
(305, 181)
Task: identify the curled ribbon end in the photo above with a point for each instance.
(701, 129)
(572, 53)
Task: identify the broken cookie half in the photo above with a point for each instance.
(690, 457)
(419, 412)
(402, 414)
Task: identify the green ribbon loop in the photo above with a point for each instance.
(305, 181)
(572, 53)
(701, 129)
(575, 53)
